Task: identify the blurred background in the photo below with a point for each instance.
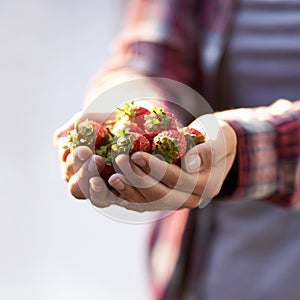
(52, 246)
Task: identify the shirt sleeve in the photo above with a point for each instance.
(268, 152)
(158, 39)
(161, 39)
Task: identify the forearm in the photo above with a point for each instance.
(268, 152)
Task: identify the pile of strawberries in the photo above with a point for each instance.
(134, 129)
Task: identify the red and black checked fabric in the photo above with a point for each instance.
(161, 39)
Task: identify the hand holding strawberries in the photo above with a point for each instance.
(83, 164)
(152, 184)
(139, 155)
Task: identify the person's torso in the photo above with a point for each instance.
(262, 60)
(255, 251)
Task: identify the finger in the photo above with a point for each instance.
(134, 184)
(168, 174)
(133, 174)
(156, 168)
(79, 185)
(76, 159)
(202, 160)
(198, 158)
(155, 196)
(100, 195)
(212, 168)
(172, 201)
(126, 190)
(148, 186)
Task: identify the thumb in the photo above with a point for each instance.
(196, 158)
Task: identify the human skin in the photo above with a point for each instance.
(145, 183)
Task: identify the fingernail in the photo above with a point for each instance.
(82, 155)
(117, 184)
(193, 163)
(92, 165)
(97, 188)
(139, 160)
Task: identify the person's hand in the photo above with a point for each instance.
(82, 164)
(145, 183)
(149, 184)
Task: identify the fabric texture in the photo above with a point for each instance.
(173, 39)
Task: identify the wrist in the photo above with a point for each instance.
(231, 181)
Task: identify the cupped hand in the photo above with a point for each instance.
(82, 164)
(146, 183)
(149, 184)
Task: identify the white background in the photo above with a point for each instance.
(52, 246)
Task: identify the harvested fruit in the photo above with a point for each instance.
(159, 120)
(133, 113)
(87, 133)
(192, 136)
(134, 128)
(126, 125)
(169, 145)
(129, 142)
(107, 171)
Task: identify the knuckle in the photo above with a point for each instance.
(75, 190)
(66, 177)
(82, 153)
(99, 202)
(206, 157)
(75, 193)
(140, 208)
(193, 202)
(69, 169)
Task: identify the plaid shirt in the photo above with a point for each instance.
(174, 39)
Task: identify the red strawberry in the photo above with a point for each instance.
(133, 113)
(169, 145)
(129, 142)
(126, 125)
(87, 133)
(105, 153)
(140, 143)
(65, 154)
(103, 135)
(107, 171)
(193, 137)
(158, 121)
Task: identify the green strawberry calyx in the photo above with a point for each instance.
(127, 111)
(157, 117)
(168, 149)
(123, 142)
(82, 135)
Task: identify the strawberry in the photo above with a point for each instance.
(129, 142)
(124, 142)
(169, 145)
(87, 133)
(103, 135)
(133, 113)
(81, 135)
(159, 120)
(65, 154)
(126, 125)
(107, 171)
(105, 153)
(193, 137)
